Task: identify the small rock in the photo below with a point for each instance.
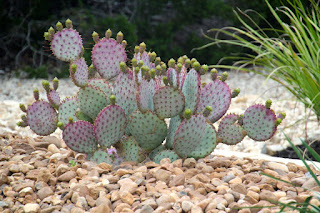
(276, 166)
(31, 208)
(62, 168)
(186, 205)
(146, 209)
(299, 181)
(44, 175)
(53, 149)
(310, 183)
(66, 177)
(52, 140)
(81, 172)
(103, 199)
(127, 184)
(77, 210)
(3, 204)
(177, 180)
(236, 180)
(240, 188)
(189, 163)
(150, 202)
(196, 209)
(126, 197)
(227, 178)
(163, 175)
(82, 203)
(14, 168)
(103, 208)
(267, 195)
(44, 192)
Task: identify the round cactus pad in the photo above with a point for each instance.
(67, 109)
(92, 100)
(42, 118)
(259, 122)
(110, 125)
(229, 131)
(102, 84)
(66, 45)
(79, 136)
(173, 126)
(80, 77)
(189, 135)
(148, 130)
(165, 154)
(168, 102)
(130, 150)
(191, 89)
(101, 156)
(106, 57)
(156, 151)
(145, 94)
(53, 98)
(216, 94)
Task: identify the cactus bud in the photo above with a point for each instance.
(51, 31)
(188, 63)
(205, 68)
(95, 36)
(152, 73)
(179, 67)
(278, 121)
(136, 49)
(60, 125)
(113, 99)
(268, 104)
(134, 62)
(136, 70)
(180, 60)
(282, 115)
(119, 37)
(108, 34)
(143, 47)
(23, 108)
(164, 67)
(46, 85)
(70, 120)
(171, 63)
(235, 93)
(73, 68)
(193, 60)
(55, 83)
(144, 70)
(224, 76)
(36, 94)
(157, 61)
(158, 70)
(47, 36)
(69, 24)
(184, 58)
(240, 120)
(24, 118)
(21, 124)
(207, 110)
(196, 65)
(122, 66)
(152, 56)
(124, 43)
(165, 81)
(140, 63)
(214, 74)
(187, 113)
(59, 26)
(92, 71)
(203, 84)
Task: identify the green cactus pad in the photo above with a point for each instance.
(130, 150)
(259, 122)
(173, 77)
(101, 156)
(173, 126)
(79, 136)
(189, 135)
(125, 92)
(102, 84)
(106, 57)
(168, 102)
(165, 154)
(230, 132)
(110, 125)
(53, 98)
(191, 89)
(207, 144)
(42, 118)
(156, 151)
(148, 130)
(92, 100)
(67, 109)
(80, 77)
(216, 94)
(145, 94)
(66, 45)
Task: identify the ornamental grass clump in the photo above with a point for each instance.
(120, 109)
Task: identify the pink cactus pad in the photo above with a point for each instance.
(230, 132)
(80, 77)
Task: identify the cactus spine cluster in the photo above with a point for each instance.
(122, 104)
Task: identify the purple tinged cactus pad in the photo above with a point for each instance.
(173, 126)
(53, 98)
(168, 102)
(102, 84)
(79, 136)
(182, 76)
(67, 109)
(165, 154)
(80, 77)
(259, 122)
(216, 94)
(148, 130)
(101, 156)
(145, 94)
(230, 132)
(42, 118)
(191, 89)
(106, 57)
(173, 77)
(189, 135)
(130, 150)
(92, 100)
(110, 125)
(66, 45)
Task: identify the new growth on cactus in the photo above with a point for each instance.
(120, 109)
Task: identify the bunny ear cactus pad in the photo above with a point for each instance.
(106, 57)
(216, 94)
(189, 135)
(66, 45)
(145, 94)
(168, 102)
(53, 98)
(110, 125)
(130, 150)
(102, 84)
(79, 136)
(259, 122)
(92, 100)
(165, 154)
(79, 72)
(42, 118)
(148, 130)
(101, 156)
(229, 131)
(191, 89)
(67, 109)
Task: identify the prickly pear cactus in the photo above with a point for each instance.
(119, 112)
